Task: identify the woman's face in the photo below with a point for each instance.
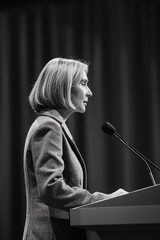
(80, 94)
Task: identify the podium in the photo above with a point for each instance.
(130, 216)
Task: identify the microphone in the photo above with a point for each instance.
(110, 130)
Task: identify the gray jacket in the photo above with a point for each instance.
(55, 176)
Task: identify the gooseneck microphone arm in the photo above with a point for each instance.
(109, 129)
(138, 154)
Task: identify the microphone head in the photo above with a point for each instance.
(108, 128)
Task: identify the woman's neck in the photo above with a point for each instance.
(65, 113)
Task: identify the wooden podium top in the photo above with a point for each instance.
(137, 207)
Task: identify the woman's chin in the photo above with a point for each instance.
(81, 110)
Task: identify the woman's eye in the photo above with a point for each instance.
(84, 83)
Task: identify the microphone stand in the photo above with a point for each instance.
(146, 160)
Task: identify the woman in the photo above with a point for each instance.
(55, 173)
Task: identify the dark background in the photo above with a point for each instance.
(120, 39)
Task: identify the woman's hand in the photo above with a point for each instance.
(117, 193)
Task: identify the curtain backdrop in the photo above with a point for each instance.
(121, 40)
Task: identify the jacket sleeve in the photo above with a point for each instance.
(47, 152)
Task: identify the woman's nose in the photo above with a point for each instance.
(89, 92)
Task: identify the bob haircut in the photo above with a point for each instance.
(52, 90)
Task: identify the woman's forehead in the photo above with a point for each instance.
(84, 76)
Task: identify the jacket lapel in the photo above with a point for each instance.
(76, 151)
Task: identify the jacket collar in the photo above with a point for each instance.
(57, 116)
(54, 114)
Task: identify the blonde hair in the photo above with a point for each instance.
(52, 90)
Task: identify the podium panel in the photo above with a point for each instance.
(134, 213)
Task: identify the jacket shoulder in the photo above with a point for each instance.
(44, 123)
(41, 126)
